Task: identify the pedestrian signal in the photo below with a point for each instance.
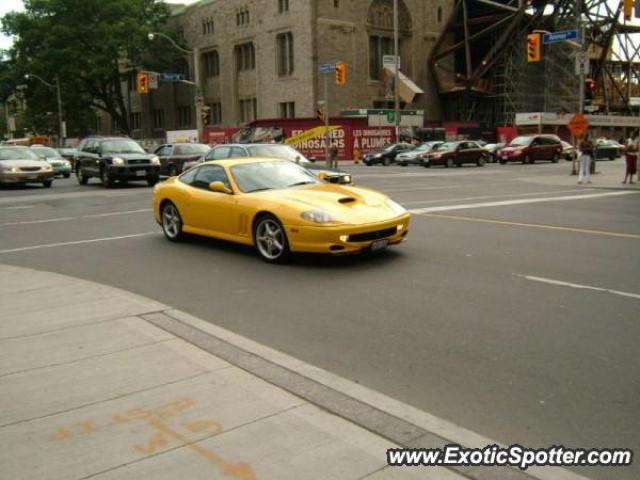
(534, 47)
(341, 73)
(142, 83)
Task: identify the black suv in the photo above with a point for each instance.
(115, 159)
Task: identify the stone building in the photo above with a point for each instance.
(258, 59)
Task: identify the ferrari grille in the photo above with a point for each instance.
(369, 236)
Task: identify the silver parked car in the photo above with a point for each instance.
(54, 158)
(20, 165)
(417, 155)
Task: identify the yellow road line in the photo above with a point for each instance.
(532, 225)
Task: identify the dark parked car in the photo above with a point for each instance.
(173, 156)
(608, 149)
(115, 159)
(280, 151)
(417, 155)
(456, 154)
(529, 149)
(386, 155)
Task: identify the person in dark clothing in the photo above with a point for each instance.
(586, 157)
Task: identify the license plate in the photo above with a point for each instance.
(141, 173)
(32, 177)
(379, 245)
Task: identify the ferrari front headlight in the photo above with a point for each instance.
(396, 207)
(318, 216)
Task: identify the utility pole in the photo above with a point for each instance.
(396, 83)
(61, 125)
(199, 99)
(580, 28)
(326, 120)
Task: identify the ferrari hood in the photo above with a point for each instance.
(351, 205)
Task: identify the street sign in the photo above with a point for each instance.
(582, 63)
(560, 36)
(153, 80)
(326, 67)
(172, 77)
(578, 125)
(389, 61)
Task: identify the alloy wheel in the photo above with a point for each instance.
(171, 222)
(270, 239)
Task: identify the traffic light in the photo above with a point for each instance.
(534, 47)
(341, 73)
(628, 9)
(142, 83)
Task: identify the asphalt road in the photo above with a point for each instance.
(481, 318)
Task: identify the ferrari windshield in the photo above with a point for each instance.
(258, 176)
(284, 152)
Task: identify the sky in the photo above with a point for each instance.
(10, 5)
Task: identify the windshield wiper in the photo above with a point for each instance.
(260, 189)
(305, 182)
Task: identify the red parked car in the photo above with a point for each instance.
(530, 149)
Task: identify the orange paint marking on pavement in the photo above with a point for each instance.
(202, 425)
(242, 471)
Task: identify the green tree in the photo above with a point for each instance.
(91, 46)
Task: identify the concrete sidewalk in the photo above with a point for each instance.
(100, 383)
(91, 389)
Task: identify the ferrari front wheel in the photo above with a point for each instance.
(271, 239)
(171, 222)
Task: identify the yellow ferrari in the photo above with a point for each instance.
(278, 207)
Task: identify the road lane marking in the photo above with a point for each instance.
(579, 286)
(76, 242)
(533, 225)
(20, 207)
(410, 174)
(524, 201)
(490, 196)
(66, 219)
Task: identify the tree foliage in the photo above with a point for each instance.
(91, 46)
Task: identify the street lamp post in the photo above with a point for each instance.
(396, 83)
(56, 87)
(198, 99)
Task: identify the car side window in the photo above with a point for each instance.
(238, 152)
(210, 173)
(164, 151)
(189, 176)
(219, 153)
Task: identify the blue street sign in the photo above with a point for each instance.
(326, 67)
(172, 77)
(560, 36)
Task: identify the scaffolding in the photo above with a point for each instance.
(482, 74)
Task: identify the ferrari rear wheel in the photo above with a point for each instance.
(271, 239)
(171, 222)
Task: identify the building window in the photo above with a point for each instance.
(245, 57)
(288, 110)
(184, 116)
(248, 110)
(182, 67)
(211, 61)
(215, 115)
(283, 6)
(378, 46)
(284, 48)
(158, 118)
(242, 17)
(207, 26)
(135, 120)
(439, 14)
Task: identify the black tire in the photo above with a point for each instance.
(449, 163)
(368, 164)
(403, 164)
(82, 179)
(171, 222)
(173, 171)
(107, 180)
(151, 181)
(503, 162)
(526, 160)
(555, 158)
(47, 183)
(270, 239)
(386, 161)
(66, 175)
(481, 161)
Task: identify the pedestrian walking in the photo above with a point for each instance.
(333, 155)
(586, 157)
(631, 159)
